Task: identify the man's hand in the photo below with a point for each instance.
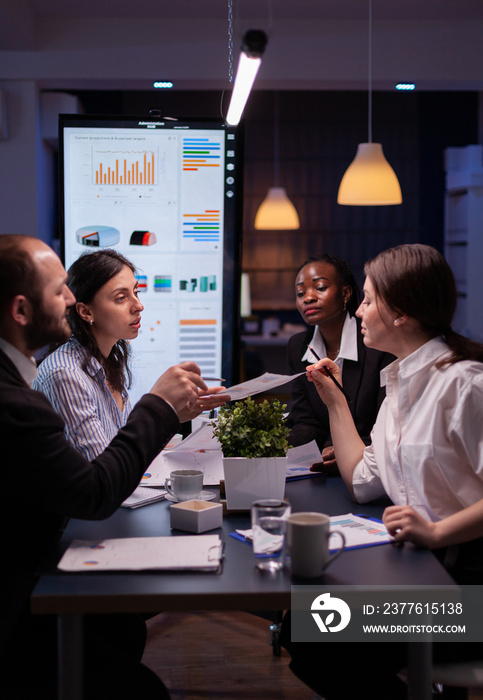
(207, 400)
(181, 386)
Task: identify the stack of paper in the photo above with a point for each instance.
(143, 495)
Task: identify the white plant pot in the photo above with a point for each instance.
(247, 480)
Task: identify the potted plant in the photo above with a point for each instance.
(253, 439)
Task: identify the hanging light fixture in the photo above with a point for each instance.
(369, 180)
(276, 212)
(252, 48)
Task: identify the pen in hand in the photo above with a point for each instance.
(329, 374)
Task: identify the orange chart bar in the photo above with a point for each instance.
(123, 171)
(198, 322)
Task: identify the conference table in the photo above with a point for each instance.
(239, 585)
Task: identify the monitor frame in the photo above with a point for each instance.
(233, 210)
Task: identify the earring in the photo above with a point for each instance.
(396, 322)
(345, 304)
(91, 322)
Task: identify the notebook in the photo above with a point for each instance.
(143, 495)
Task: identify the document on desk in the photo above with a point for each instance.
(265, 382)
(199, 440)
(202, 451)
(209, 462)
(187, 552)
(358, 531)
(300, 459)
(142, 496)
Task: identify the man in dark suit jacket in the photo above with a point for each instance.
(45, 481)
(308, 416)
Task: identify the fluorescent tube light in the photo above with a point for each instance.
(253, 46)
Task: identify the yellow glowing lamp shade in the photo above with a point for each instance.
(277, 211)
(369, 180)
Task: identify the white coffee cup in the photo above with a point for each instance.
(184, 484)
(308, 543)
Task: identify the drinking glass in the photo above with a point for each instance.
(268, 532)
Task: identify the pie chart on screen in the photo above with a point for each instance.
(142, 238)
(97, 236)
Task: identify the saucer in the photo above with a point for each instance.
(204, 496)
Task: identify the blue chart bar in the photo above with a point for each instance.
(203, 227)
(200, 153)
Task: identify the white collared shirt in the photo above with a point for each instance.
(427, 442)
(26, 367)
(348, 344)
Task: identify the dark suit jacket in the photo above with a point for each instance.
(308, 415)
(45, 480)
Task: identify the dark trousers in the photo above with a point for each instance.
(369, 671)
(113, 648)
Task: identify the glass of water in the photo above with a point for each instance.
(269, 518)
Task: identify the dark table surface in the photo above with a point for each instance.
(239, 585)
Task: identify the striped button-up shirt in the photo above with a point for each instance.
(91, 415)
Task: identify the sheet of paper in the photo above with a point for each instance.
(138, 553)
(265, 382)
(200, 439)
(209, 462)
(358, 532)
(301, 458)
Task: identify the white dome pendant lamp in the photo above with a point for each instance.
(369, 180)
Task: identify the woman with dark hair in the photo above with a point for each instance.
(426, 452)
(87, 378)
(327, 297)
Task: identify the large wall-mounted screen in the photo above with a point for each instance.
(167, 195)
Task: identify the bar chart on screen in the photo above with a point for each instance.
(162, 193)
(200, 340)
(130, 167)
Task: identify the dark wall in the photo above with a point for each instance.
(318, 137)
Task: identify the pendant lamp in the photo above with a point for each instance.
(276, 212)
(369, 180)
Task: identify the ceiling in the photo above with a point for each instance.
(313, 44)
(282, 9)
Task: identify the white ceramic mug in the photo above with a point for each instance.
(308, 544)
(184, 484)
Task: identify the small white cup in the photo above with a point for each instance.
(308, 544)
(184, 484)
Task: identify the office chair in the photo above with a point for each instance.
(458, 677)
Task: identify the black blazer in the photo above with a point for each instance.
(308, 416)
(45, 480)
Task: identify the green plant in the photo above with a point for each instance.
(249, 429)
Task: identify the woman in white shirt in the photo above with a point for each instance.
(429, 428)
(87, 378)
(426, 453)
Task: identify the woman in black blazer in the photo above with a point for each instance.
(327, 297)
